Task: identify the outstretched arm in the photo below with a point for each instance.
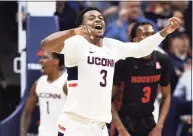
(146, 46)
(28, 109)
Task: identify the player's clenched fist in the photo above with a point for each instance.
(172, 25)
(84, 31)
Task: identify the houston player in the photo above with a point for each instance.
(141, 78)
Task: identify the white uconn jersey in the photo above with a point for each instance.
(90, 73)
(51, 102)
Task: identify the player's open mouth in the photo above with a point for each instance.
(98, 27)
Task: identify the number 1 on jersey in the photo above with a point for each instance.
(48, 111)
(147, 94)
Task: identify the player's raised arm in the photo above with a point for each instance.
(28, 109)
(55, 41)
(147, 45)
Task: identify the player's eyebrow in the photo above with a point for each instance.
(91, 15)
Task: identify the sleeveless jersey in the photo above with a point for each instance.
(51, 101)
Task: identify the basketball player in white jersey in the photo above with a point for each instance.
(50, 91)
(90, 60)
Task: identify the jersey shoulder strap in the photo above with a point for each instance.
(41, 81)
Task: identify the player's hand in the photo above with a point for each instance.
(123, 132)
(85, 31)
(156, 131)
(173, 24)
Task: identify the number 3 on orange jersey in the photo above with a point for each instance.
(147, 94)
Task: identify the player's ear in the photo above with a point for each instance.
(135, 39)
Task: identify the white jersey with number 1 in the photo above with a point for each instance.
(51, 102)
(90, 72)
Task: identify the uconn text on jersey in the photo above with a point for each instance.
(100, 61)
(50, 95)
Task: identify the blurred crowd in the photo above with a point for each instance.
(120, 16)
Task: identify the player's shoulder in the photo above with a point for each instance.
(41, 79)
(111, 44)
(161, 56)
(106, 39)
(75, 39)
(110, 41)
(120, 63)
(159, 49)
(63, 77)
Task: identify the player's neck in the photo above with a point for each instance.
(97, 42)
(54, 76)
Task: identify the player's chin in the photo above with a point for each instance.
(99, 35)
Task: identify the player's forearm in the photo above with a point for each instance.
(164, 108)
(25, 121)
(149, 44)
(142, 48)
(55, 40)
(163, 33)
(116, 120)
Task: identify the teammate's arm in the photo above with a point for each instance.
(28, 109)
(55, 41)
(146, 46)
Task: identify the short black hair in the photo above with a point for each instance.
(135, 27)
(79, 18)
(60, 57)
